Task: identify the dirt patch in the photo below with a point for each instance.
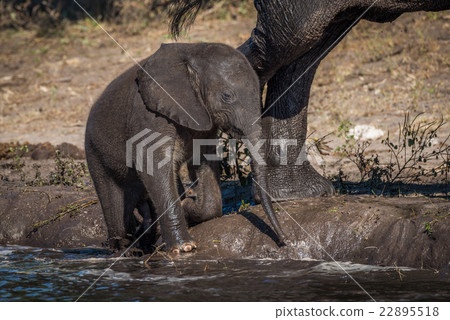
(48, 84)
(39, 151)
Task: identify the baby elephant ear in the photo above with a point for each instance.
(170, 86)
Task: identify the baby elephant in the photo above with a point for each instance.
(143, 127)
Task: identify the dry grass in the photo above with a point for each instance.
(48, 84)
(380, 71)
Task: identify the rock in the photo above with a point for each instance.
(69, 150)
(43, 151)
(40, 151)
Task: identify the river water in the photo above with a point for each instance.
(37, 274)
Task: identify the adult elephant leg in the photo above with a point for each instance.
(285, 113)
(285, 49)
(286, 118)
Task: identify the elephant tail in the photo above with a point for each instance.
(183, 13)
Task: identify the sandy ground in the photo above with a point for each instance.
(376, 74)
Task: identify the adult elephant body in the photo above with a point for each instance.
(285, 48)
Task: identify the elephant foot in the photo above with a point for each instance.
(184, 247)
(297, 182)
(118, 244)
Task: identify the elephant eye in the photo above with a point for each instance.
(228, 96)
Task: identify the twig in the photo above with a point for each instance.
(74, 206)
(154, 252)
(48, 195)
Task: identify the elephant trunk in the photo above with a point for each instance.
(260, 179)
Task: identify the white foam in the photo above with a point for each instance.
(5, 252)
(332, 267)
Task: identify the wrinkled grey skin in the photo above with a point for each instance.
(288, 38)
(211, 87)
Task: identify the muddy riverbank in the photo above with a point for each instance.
(389, 231)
